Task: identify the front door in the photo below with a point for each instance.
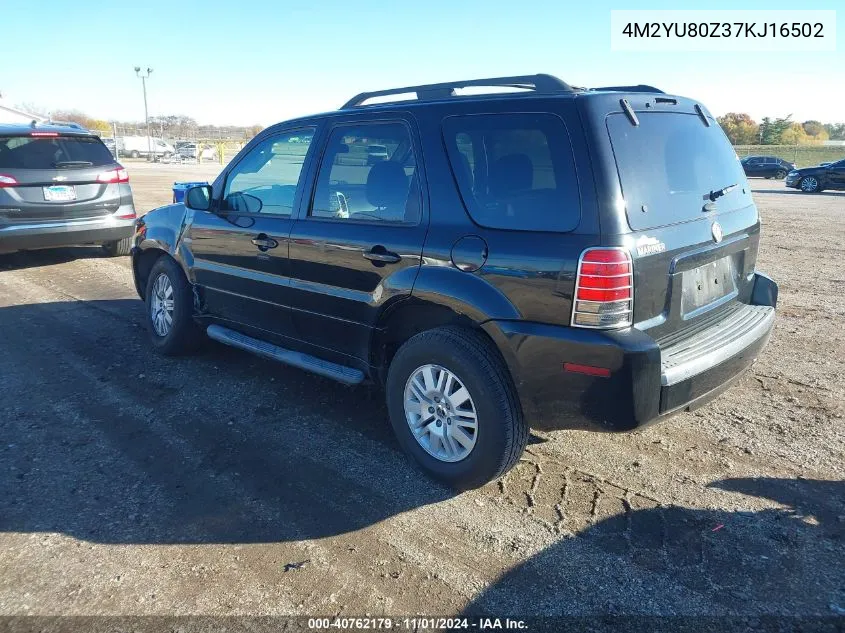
(755, 167)
(359, 243)
(241, 248)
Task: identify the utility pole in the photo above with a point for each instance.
(144, 78)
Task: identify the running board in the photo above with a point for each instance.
(346, 375)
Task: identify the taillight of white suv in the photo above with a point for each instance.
(604, 289)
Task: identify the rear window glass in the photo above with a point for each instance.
(669, 163)
(515, 171)
(27, 152)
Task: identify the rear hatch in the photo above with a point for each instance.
(694, 226)
(50, 177)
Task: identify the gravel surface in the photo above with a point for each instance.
(223, 484)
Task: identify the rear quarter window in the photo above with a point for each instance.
(27, 152)
(514, 171)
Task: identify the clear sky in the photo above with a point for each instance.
(262, 61)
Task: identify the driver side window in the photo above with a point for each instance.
(265, 180)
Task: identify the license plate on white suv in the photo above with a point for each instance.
(59, 193)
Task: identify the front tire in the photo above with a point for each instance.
(454, 408)
(169, 313)
(119, 248)
(809, 184)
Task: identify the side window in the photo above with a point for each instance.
(369, 174)
(265, 180)
(515, 171)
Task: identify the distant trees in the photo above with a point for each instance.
(741, 129)
(172, 126)
(75, 116)
(835, 131)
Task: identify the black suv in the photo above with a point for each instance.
(816, 179)
(61, 186)
(555, 257)
(766, 167)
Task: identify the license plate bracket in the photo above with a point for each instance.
(60, 193)
(708, 284)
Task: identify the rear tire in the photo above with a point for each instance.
(500, 433)
(780, 175)
(134, 154)
(119, 248)
(169, 310)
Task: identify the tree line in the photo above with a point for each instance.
(741, 129)
(171, 127)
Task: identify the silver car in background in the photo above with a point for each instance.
(61, 186)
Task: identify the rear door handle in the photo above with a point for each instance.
(264, 243)
(378, 254)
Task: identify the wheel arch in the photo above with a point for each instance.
(406, 319)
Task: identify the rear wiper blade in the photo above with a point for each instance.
(73, 163)
(718, 193)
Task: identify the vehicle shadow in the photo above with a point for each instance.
(669, 560)
(21, 260)
(107, 442)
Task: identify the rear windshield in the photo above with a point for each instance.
(515, 171)
(60, 152)
(668, 164)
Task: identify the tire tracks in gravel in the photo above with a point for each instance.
(224, 449)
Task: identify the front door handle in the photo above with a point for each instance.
(264, 243)
(379, 255)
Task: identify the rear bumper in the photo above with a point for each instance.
(649, 380)
(15, 237)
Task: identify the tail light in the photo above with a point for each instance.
(7, 181)
(114, 175)
(604, 289)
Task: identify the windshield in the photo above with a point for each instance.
(27, 152)
(669, 163)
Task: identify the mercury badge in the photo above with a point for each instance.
(649, 246)
(717, 232)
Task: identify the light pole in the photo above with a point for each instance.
(146, 115)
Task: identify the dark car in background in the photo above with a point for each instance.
(819, 178)
(61, 186)
(766, 167)
(558, 257)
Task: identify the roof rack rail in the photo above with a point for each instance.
(541, 84)
(637, 88)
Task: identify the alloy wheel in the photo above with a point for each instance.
(441, 413)
(161, 305)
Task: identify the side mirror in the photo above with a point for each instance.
(198, 198)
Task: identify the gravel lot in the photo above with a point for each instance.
(224, 484)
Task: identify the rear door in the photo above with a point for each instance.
(688, 203)
(360, 242)
(50, 177)
(836, 175)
